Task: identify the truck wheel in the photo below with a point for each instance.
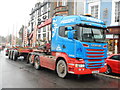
(37, 63)
(61, 69)
(9, 55)
(30, 60)
(15, 56)
(109, 70)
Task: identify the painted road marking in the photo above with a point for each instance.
(115, 77)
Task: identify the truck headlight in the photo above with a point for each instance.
(79, 65)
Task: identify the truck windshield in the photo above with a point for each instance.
(88, 34)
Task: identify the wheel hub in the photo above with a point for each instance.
(61, 68)
(30, 59)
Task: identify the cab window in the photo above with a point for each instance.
(63, 32)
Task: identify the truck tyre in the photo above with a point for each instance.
(12, 55)
(30, 60)
(15, 56)
(109, 70)
(9, 55)
(61, 69)
(37, 62)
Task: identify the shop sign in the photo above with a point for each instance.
(111, 36)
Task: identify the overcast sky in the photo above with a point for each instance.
(14, 14)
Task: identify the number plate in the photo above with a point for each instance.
(95, 71)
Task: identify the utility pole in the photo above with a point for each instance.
(13, 36)
(7, 38)
(16, 35)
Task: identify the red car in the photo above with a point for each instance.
(113, 63)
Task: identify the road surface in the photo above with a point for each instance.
(19, 74)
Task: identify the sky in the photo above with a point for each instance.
(14, 14)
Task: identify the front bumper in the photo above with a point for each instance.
(82, 71)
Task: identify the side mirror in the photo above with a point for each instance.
(71, 34)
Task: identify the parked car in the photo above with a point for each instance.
(113, 64)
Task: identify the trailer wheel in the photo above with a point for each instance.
(14, 56)
(37, 63)
(30, 60)
(61, 69)
(9, 55)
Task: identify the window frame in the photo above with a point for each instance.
(64, 3)
(74, 27)
(95, 11)
(117, 11)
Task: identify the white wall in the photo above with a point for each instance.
(97, 2)
(113, 23)
(79, 7)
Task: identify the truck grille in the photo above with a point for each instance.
(95, 58)
(95, 49)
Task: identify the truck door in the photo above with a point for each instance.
(67, 45)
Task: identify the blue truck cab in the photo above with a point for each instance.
(82, 38)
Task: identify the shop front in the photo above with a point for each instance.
(113, 39)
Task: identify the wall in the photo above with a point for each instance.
(79, 7)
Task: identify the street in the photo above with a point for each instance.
(19, 74)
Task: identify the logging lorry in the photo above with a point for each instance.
(78, 46)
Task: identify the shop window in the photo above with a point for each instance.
(111, 45)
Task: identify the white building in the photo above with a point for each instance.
(115, 21)
(44, 14)
(109, 12)
(39, 14)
